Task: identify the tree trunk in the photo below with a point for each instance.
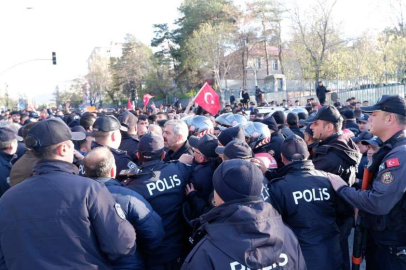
(265, 48)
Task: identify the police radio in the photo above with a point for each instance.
(134, 171)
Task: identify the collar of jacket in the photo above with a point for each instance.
(50, 166)
(225, 209)
(181, 150)
(107, 181)
(117, 151)
(305, 165)
(125, 135)
(330, 139)
(151, 163)
(396, 138)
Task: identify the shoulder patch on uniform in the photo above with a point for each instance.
(393, 162)
(387, 178)
(119, 211)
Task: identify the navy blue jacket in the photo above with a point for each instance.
(129, 144)
(58, 220)
(202, 178)
(20, 151)
(139, 213)
(383, 206)
(5, 168)
(245, 234)
(163, 186)
(123, 161)
(307, 203)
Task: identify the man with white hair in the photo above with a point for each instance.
(175, 140)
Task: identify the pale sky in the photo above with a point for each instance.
(73, 28)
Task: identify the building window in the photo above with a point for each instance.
(257, 63)
(275, 65)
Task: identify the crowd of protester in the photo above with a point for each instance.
(238, 190)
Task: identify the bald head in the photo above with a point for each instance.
(99, 163)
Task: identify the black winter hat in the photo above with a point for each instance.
(237, 179)
(279, 117)
(271, 123)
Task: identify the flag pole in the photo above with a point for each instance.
(200, 91)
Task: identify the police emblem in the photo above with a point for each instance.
(119, 211)
(387, 178)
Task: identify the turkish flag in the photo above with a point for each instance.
(147, 97)
(394, 162)
(129, 105)
(208, 99)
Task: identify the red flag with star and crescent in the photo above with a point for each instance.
(146, 99)
(208, 99)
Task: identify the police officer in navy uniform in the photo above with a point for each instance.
(383, 206)
(350, 122)
(8, 148)
(242, 231)
(205, 162)
(307, 203)
(338, 154)
(163, 186)
(129, 140)
(57, 219)
(106, 132)
(99, 165)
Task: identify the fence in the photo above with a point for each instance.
(371, 94)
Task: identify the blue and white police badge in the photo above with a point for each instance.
(387, 178)
(119, 211)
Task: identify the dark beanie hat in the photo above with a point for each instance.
(349, 114)
(233, 133)
(271, 123)
(237, 179)
(279, 117)
(292, 119)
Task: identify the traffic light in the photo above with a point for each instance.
(54, 58)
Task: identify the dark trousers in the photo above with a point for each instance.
(380, 258)
(322, 100)
(345, 231)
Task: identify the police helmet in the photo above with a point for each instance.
(222, 120)
(257, 134)
(200, 125)
(236, 119)
(298, 110)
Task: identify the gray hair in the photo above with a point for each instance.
(179, 127)
(98, 162)
(155, 129)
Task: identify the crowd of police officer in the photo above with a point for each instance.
(169, 190)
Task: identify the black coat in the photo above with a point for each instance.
(321, 91)
(64, 221)
(246, 233)
(184, 149)
(339, 155)
(307, 203)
